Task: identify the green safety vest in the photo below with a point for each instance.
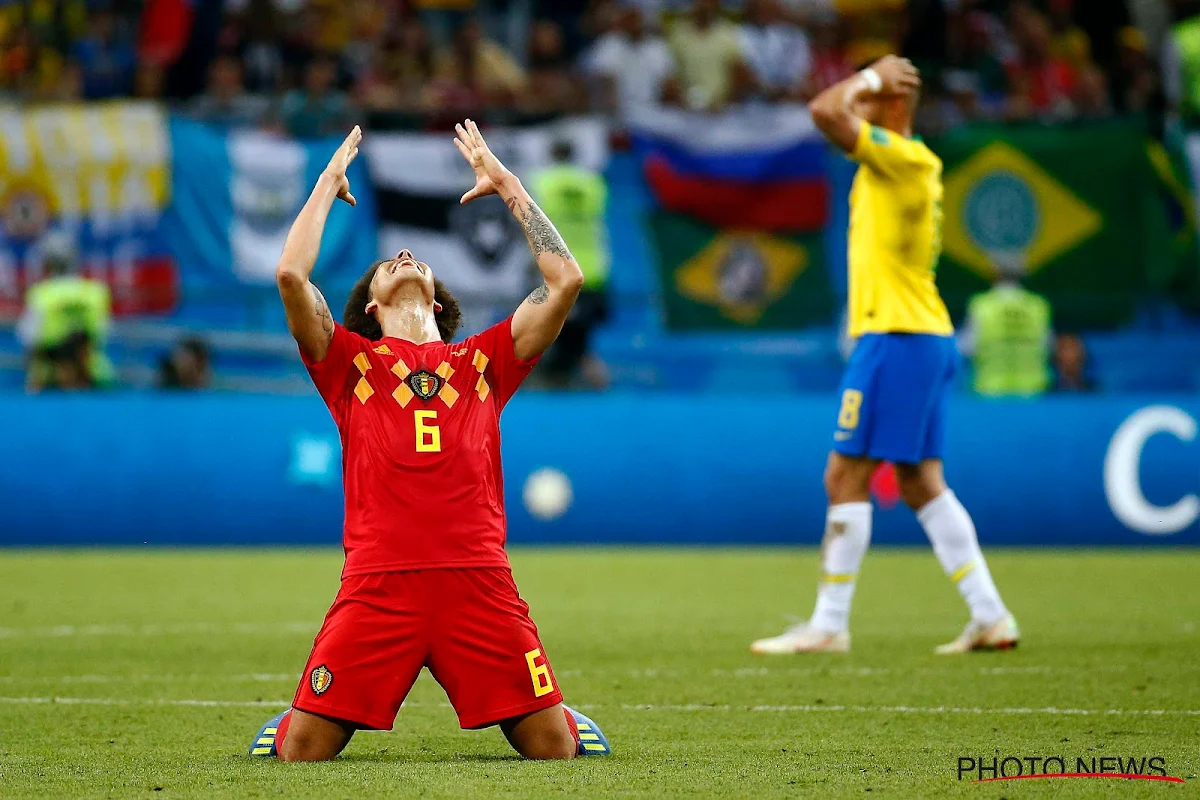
(574, 199)
(69, 304)
(1012, 341)
(1187, 43)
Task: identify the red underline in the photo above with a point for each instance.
(1125, 775)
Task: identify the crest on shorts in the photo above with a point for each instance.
(321, 679)
(837, 528)
(424, 384)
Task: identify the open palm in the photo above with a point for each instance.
(340, 163)
(490, 174)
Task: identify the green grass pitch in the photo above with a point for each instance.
(146, 673)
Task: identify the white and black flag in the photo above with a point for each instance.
(477, 250)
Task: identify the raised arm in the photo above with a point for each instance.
(539, 319)
(833, 109)
(308, 316)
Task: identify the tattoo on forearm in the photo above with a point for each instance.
(542, 236)
(539, 295)
(323, 311)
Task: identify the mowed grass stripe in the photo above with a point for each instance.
(651, 643)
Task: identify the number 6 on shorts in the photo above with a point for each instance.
(542, 684)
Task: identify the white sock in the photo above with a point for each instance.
(847, 534)
(952, 534)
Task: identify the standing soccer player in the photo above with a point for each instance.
(426, 582)
(896, 387)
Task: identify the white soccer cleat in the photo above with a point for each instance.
(1002, 635)
(802, 639)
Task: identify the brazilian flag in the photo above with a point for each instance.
(1079, 207)
(1176, 271)
(730, 279)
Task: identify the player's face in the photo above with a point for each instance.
(398, 276)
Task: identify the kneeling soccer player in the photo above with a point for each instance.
(427, 581)
(895, 390)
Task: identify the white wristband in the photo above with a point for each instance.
(874, 82)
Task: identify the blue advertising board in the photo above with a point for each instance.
(643, 468)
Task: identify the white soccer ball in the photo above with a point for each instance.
(548, 493)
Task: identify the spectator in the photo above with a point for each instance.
(1007, 335)
(960, 104)
(707, 51)
(476, 72)
(1042, 84)
(601, 17)
(255, 33)
(64, 367)
(225, 101)
(576, 198)
(1181, 60)
(570, 17)
(776, 49)
(830, 64)
(401, 76)
(1091, 98)
(1135, 83)
(975, 74)
(187, 366)
(550, 87)
(163, 32)
(33, 40)
(318, 109)
(368, 23)
(1071, 367)
(632, 65)
(68, 87)
(105, 56)
(19, 57)
(444, 17)
(65, 323)
(148, 82)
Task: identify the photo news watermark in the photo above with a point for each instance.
(984, 769)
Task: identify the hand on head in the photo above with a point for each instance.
(898, 75)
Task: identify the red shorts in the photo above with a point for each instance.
(470, 627)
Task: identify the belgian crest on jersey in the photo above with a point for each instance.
(320, 679)
(424, 384)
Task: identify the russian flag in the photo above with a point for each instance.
(765, 170)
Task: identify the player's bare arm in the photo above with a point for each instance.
(539, 319)
(308, 316)
(833, 110)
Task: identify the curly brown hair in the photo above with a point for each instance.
(356, 318)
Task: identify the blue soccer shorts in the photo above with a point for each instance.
(894, 396)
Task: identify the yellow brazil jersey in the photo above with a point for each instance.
(895, 236)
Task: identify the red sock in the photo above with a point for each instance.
(574, 728)
(282, 731)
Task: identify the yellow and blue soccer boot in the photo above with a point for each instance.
(592, 741)
(264, 743)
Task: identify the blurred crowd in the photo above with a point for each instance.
(307, 66)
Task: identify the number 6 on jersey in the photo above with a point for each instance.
(429, 436)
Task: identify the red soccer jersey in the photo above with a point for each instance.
(420, 430)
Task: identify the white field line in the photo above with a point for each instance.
(170, 629)
(635, 674)
(799, 709)
(110, 701)
(802, 709)
(255, 677)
